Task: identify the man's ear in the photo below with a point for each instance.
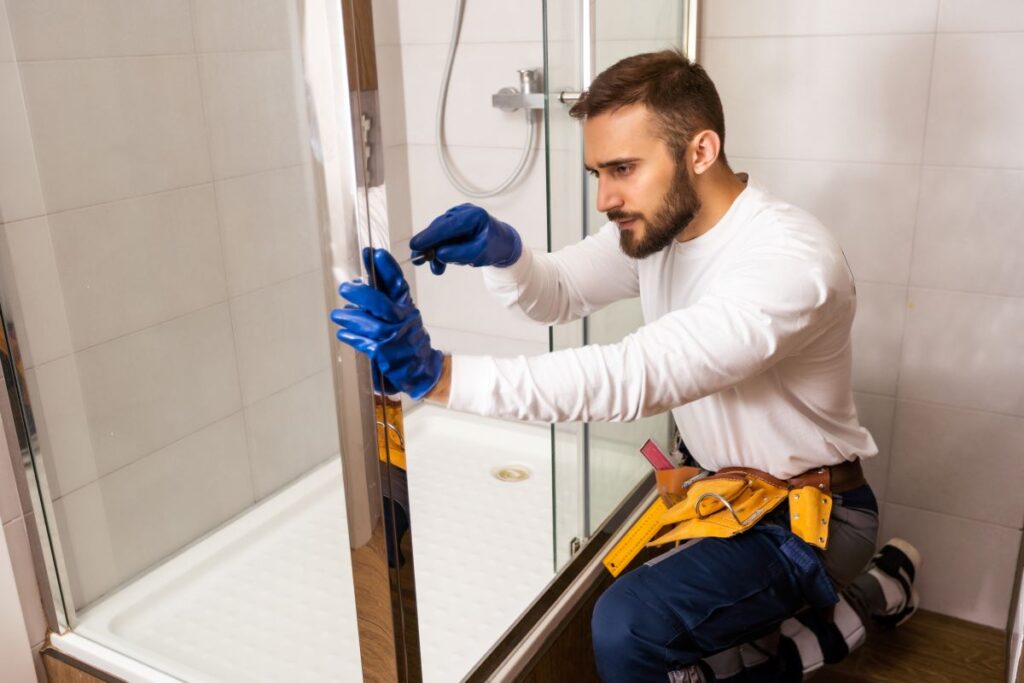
(704, 149)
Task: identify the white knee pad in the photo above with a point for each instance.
(812, 657)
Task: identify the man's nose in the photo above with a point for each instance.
(608, 198)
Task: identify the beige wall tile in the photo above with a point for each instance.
(122, 524)
(968, 228)
(869, 207)
(291, 432)
(396, 168)
(65, 441)
(964, 350)
(69, 29)
(385, 22)
(281, 335)
(6, 45)
(20, 548)
(484, 21)
(876, 413)
(808, 17)
(149, 389)
(10, 500)
(254, 111)
(34, 290)
(270, 227)
(930, 442)
(860, 98)
(977, 103)
(621, 20)
(136, 263)
(994, 15)
(20, 193)
(108, 129)
(877, 333)
(967, 567)
(234, 25)
(391, 93)
(15, 647)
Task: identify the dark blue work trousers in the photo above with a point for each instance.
(705, 596)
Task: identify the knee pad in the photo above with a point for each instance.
(814, 641)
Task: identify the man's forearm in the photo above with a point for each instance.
(441, 390)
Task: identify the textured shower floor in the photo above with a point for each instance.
(269, 596)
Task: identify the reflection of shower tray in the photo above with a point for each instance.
(269, 595)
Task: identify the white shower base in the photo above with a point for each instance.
(268, 597)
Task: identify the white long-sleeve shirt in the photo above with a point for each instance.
(746, 340)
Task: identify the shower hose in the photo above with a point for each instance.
(442, 150)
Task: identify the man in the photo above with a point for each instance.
(748, 304)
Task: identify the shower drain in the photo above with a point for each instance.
(511, 473)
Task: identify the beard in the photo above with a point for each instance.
(677, 210)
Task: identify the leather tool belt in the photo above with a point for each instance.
(734, 499)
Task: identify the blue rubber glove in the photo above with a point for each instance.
(385, 324)
(468, 235)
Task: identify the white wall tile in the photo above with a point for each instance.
(608, 52)
(877, 332)
(148, 389)
(234, 25)
(967, 567)
(10, 505)
(391, 85)
(860, 98)
(625, 20)
(122, 524)
(32, 279)
(22, 563)
(385, 22)
(870, 207)
(6, 45)
(291, 432)
(396, 169)
(108, 129)
(55, 390)
(993, 15)
(930, 442)
(967, 222)
(965, 350)
(254, 111)
(876, 414)
(460, 341)
(270, 227)
(479, 72)
(483, 21)
(281, 334)
(977, 102)
(20, 193)
(70, 29)
(808, 17)
(135, 263)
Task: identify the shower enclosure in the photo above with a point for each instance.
(218, 493)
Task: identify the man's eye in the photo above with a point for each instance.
(623, 169)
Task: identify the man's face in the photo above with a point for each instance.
(640, 186)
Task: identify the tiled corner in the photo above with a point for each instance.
(869, 207)
(876, 414)
(966, 220)
(814, 97)
(808, 17)
(930, 442)
(33, 279)
(152, 388)
(975, 121)
(269, 226)
(136, 263)
(255, 111)
(108, 129)
(122, 524)
(20, 549)
(964, 350)
(20, 193)
(967, 567)
(68, 29)
(281, 334)
(240, 25)
(291, 432)
(962, 16)
(877, 333)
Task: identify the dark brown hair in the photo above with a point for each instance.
(676, 91)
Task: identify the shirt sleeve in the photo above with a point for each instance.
(568, 284)
(768, 306)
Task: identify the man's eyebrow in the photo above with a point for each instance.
(613, 162)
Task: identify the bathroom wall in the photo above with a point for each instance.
(161, 268)
(898, 125)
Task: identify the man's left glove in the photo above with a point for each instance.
(386, 325)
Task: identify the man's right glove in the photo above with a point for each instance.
(468, 235)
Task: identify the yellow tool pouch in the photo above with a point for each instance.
(736, 498)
